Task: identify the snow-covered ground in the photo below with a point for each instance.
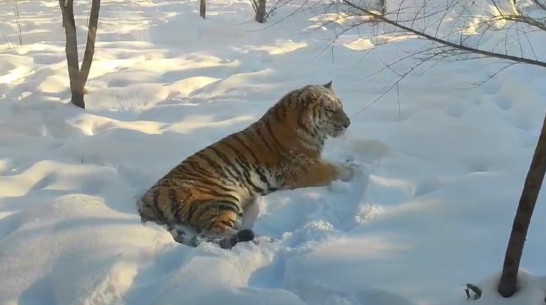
(443, 163)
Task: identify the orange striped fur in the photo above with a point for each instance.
(206, 197)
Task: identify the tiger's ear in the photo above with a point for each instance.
(328, 85)
(307, 98)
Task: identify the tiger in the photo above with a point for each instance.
(211, 195)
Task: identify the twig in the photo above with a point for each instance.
(16, 9)
(446, 42)
(477, 291)
(6, 37)
(395, 84)
(496, 73)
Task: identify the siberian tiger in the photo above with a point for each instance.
(210, 195)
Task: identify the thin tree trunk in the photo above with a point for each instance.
(90, 46)
(533, 182)
(260, 11)
(202, 8)
(71, 50)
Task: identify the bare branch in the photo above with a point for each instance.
(541, 5)
(497, 73)
(453, 45)
(395, 84)
(20, 33)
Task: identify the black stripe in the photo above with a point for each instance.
(220, 195)
(268, 125)
(175, 205)
(194, 206)
(195, 166)
(300, 119)
(176, 172)
(311, 143)
(236, 137)
(248, 176)
(247, 168)
(229, 206)
(203, 177)
(255, 188)
(276, 113)
(229, 165)
(228, 223)
(239, 156)
(284, 110)
(214, 165)
(254, 168)
(262, 137)
(194, 173)
(155, 206)
(262, 175)
(216, 168)
(214, 184)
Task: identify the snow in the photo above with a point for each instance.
(442, 162)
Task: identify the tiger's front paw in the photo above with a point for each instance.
(347, 170)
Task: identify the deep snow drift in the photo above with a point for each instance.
(443, 163)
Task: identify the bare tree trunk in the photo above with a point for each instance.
(91, 35)
(533, 182)
(260, 11)
(202, 8)
(78, 77)
(71, 50)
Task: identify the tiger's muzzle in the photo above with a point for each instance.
(342, 124)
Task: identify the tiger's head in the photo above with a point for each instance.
(322, 111)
